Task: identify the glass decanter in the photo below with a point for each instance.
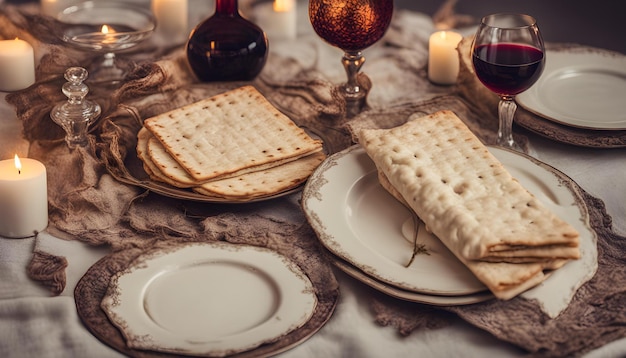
(227, 47)
(77, 113)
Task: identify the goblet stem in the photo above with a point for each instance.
(506, 111)
(355, 95)
(109, 60)
(107, 72)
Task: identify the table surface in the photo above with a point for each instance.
(351, 331)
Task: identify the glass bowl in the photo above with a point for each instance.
(105, 26)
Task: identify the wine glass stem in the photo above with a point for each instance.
(506, 111)
(108, 72)
(355, 96)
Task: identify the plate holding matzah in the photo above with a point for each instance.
(233, 147)
(359, 222)
(502, 232)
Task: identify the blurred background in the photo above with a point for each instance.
(599, 23)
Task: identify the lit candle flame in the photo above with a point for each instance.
(106, 29)
(18, 164)
(282, 5)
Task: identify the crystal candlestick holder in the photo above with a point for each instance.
(105, 28)
(75, 115)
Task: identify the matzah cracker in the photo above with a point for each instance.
(161, 165)
(505, 279)
(451, 180)
(264, 182)
(469, 200)
(234, 132)
(142, 149)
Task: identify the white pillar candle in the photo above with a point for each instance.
(54, 7)
(278, 19)
(443, 58)
(17, 65)
(171, 17)
(23, 197)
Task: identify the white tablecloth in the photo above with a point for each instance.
(33, 324)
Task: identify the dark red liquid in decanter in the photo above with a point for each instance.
(227, 47)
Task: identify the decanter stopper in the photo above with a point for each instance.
(75, 115)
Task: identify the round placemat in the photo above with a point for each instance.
(93, 286)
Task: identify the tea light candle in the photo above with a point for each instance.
(443, 58)
(23, 197)
(278, 19)
(109, 35)
(171, 17)
(17, 65)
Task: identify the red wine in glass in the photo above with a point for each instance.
(508, 69)
(508, 57)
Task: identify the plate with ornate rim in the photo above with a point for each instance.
(359, 222)
(411, 296)
(580, 89)
(178, 300)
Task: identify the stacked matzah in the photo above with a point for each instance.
(499, 230)
(235, 145)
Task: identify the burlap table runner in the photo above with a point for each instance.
(88, 204)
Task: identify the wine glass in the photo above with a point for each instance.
(508, 57)
(352, 26)
(106, 28)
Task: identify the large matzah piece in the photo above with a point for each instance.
(505, 279)
(236, 131)
(464, 194)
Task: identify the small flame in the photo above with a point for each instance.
(105, 29)
(18, 164)
(282, 5)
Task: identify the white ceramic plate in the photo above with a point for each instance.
(580, 89)
(410, 295)
(358, 221)
(209, 299)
